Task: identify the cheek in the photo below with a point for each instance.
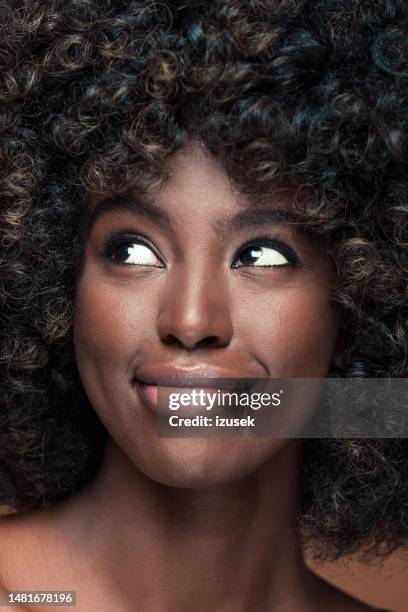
(98, 321)
(293, 331)
(109, 327)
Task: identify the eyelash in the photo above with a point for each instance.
(125, 237)
(261, 241)
(121, 238)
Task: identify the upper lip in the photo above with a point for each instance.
(199, 375)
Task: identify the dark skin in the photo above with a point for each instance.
(171, 524)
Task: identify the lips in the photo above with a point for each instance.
(157, 398)
(155, 382)
(197, 376)
(149, 394)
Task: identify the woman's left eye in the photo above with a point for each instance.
(263, 256)
(133, 253)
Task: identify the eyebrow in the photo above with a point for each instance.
(254, 217)
(134, 205)
(251, 217)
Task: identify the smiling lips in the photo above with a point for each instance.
(182, 380)
(149, 394)
(156, 397)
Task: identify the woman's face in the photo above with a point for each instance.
(194, 280)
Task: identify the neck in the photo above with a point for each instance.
(230, 547)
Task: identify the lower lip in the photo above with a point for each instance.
(150, 397)
(149, 394)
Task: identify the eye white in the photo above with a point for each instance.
(140, 254)
(262, 256)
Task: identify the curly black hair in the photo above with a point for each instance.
(95, 95)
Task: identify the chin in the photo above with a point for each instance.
(202, 463)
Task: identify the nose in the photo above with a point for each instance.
(195, 311)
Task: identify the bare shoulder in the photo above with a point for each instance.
(24, 539)
(347, 603)
(12, 543)
(9, 546)
(41, 552)
(329, 597)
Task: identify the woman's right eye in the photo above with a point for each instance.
(132, 253)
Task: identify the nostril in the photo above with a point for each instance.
(191, 343)
(171, 339)
(208, 341)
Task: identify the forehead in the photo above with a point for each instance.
(198, 190)
(193, 169)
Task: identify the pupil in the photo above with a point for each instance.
(121, 252)
(250, 255)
